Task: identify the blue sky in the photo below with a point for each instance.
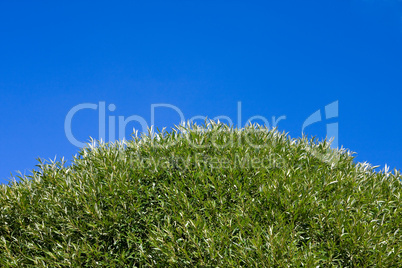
(277, 58)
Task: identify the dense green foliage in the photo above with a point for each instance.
(210, 196)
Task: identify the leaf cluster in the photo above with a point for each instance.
(205, 196)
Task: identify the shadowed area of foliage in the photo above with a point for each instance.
(210, 196)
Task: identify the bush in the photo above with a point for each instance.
(209, 196)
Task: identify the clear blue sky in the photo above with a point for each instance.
(278, 58)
